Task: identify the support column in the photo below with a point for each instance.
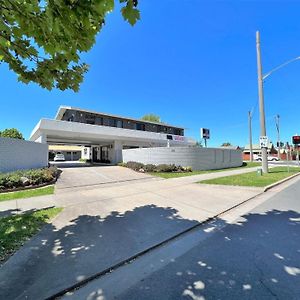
(117, 155)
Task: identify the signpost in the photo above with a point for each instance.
(263, 142)
(287, 149)
(205, 134)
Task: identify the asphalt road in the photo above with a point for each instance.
(257, 256)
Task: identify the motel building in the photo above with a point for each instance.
(102, 137)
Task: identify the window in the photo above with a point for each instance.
(71, 118)
(119, 123)
(112, 122)
(140, 126)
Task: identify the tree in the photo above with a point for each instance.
(226, 144)
(12, 133)
(151, 118)
(41, 41)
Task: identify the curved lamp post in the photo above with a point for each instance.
(261, 79)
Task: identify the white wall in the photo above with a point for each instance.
(19, 154)
(195, 157)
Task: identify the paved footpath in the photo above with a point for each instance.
(103, 225)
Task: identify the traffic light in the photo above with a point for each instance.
(296, 139)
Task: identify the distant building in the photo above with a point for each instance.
(257, 150)
(70, 152)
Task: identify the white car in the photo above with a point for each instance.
(270, 158)
(59, 157)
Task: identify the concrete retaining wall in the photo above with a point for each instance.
(195, 157)
(19, 155)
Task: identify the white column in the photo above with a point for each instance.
(117, 155)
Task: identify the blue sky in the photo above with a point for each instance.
(192, 62)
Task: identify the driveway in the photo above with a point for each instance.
(96, 175)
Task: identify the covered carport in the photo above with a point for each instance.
(98, 141)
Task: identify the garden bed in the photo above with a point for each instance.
(28, 179)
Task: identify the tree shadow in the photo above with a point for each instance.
(18, 211)
(256, 258)
(58, 258)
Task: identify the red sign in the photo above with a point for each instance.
(178, 138)
(296, 139)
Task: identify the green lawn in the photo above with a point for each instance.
(16, 230)
(252, 179)
(48, 190)
(168, 175)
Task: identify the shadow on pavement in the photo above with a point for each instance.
(257, 258)
(56, 259)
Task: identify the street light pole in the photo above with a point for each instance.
(263, 132)
(277, 117)
(250, 135)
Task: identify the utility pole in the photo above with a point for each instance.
(277, 117)
(263, 132)
(250, 135)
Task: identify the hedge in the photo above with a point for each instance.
(136, 166)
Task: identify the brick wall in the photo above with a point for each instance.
(19, 155)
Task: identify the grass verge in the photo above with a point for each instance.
(168, 175)
(16, 230)
(252, 179)
(48, 190)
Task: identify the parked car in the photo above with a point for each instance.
(258, 157)
(59, 157)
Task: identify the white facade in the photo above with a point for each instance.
(113, 138)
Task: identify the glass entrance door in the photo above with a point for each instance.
(104, 154)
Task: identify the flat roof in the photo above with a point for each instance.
(62, 109)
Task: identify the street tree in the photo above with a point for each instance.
(226, 144)
(12, 133)
(151, 118)
(41, 40)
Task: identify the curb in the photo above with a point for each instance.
(268, 187)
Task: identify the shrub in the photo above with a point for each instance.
(166, 168)
(35, 177)
(136, 166)
(149, 168)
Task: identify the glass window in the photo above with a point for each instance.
(140, 126)
(119, 123)
(112, 122)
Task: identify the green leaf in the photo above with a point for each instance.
(130, 14)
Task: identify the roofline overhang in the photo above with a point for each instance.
(63, 108)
